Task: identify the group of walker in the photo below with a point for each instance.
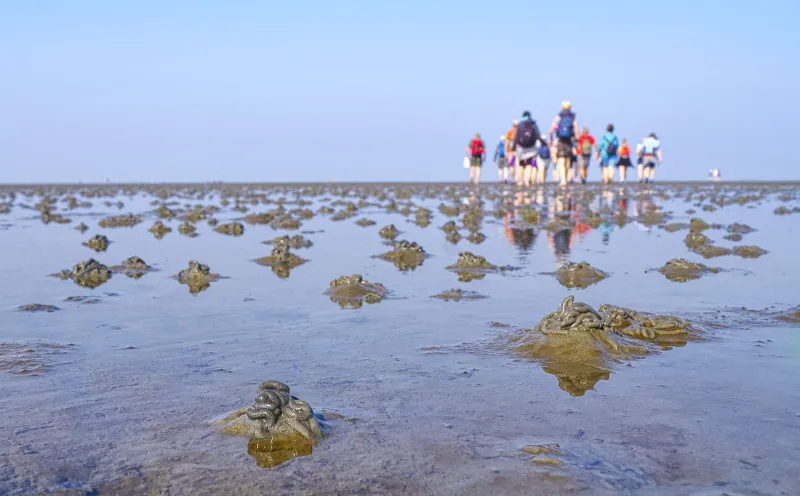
(524, 155)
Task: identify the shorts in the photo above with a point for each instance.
(502, 162)
(606, 161)
(639, 161)
(649, 161)
(624, 162)
(475, 161)
(527, 156)
(564, 148)
(542, 163)
(584, 161)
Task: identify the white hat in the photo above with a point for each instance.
(515, 122)
(503, 137)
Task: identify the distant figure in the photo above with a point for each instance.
(651, 156)
(639, 165)
(501, 160)
(510, 152)
(542, 160)
(624, 160)
(476, 151)
(525, 144)
(586, 143)
(609, 148)
(715, 175)
(565, 129)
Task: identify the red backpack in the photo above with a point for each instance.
(477, 147)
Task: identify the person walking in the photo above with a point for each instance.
(510, 152)
(542, 160)
(501, 161)
(565, 129)
(639, 166)
(609, 147)
(624, 160)
(476, 151)
(526, 142)
(651, 156)
(586, 143)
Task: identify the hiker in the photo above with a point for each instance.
(624, 160)
(651, 156)
(609, 147)
(542, 160)
(526, 142)
(586, 143)
(639, 166)
(501, 161)
(510, 152)
(476, 152)
(565, 128)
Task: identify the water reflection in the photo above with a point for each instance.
(568, 216)
(273, 451)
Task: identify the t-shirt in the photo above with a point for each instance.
(650, 146)
(607, 139)
(583, 139)
(510, 135)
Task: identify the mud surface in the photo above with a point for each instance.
(123, 389)
(197, 276)
(98, 243)
(579, 275)
(406, 255)
(353, 291)
(682, 270)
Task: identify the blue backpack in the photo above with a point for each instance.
(544, 152)
(566, 126)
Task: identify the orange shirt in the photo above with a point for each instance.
(624, 151)
(510, 135)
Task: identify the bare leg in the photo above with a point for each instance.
(640, 172)
(563, 172)
(520, 175)
(623, 173)
(527, 173)
(584, 173)
(472, 174)
(477, 175)
(651, 173)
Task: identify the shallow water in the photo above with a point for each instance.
(128, 404)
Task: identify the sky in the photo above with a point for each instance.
(194, 91)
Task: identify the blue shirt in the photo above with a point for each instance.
(605, 140)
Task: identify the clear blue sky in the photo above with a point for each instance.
(366, 90)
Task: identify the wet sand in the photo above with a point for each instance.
(130, 376)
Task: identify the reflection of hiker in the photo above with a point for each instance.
(501, 161)
(525, 144)
(651, 155)
(565, 129)
(609, 146)
(476, 151)
(624, 160)
(542, 161)
(585, 144)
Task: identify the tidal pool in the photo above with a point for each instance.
(416, 395)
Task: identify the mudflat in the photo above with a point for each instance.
(662, 358)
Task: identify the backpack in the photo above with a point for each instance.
(527, 134)
(477, 147)
(566, 126)
(611, 147)
(586, 148)
(544, 152)
(501, 149)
